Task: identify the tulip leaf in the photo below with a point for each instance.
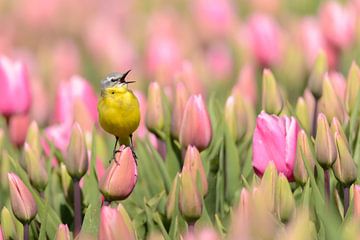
(157, 219)
(231, 167)
(46, 214)
(173, 233)
(91, 221)
(354, 122)
(172, 158)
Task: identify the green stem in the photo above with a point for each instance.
(346, 199)
(26, 231)
(77, 207)
(327, 185)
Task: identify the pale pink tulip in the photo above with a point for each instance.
(70, 92)
(337, 23)
(15, 87)
(264, 39)
(339, 84)
(196, 126)
(188, 75)
(18, 127)
(219, 61)
(246, 84)
(356, 201)
(59, 135)
(275, 140)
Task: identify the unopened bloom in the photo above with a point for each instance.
(315, 83)
(302, 114)
(114, 224)
(7, 224)
(284, 199)
(120, 178)
(193, 164)
(155, 114)
(63, 232)
(22, 202)
(35, 167)
(272, 101)
(181, 97)
(196, 126)
(18, 128)
(15, 88)
(77, 159)
(172, 197)
(275, 140)
(236, 116)
(246, 84)
(352, 88)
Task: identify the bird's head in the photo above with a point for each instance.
(115, 79)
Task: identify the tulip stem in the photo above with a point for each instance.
(327, 185)
(314, 120)
(26, 231)
(77, 207)
(346, 199)
(191, 227)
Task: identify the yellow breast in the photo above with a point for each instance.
(119, 112)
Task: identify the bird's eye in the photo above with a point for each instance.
(113, 80)
(112, 92)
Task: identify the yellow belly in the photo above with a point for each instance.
(119, 115)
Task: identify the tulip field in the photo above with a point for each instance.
(192, 120)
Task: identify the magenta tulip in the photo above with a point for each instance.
(275, 140)
(15, 88)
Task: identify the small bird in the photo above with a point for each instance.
(118, 107)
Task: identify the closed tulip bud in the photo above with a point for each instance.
(230, 116)
(193, 164)
(35, 168)
(268, 183)
(330, 103)
(63, 232)
(356, 200)
(325, 148)
(190, 201)
(113, 225)
(196, 126)
(172, 197)
(336, 127)
(344, 168)
(155, 114)
(8, 224)
(302, 114)
(352, 88)
(236, 116)
(181, 97)
(120, 178)
(33, 138)
(315, 82)
(284, 200)
(272, 100)
(303, 153)
(18, 128)
(76, 160)
(66, 181)
(22, 201)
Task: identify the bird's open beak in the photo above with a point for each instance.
(124, 76)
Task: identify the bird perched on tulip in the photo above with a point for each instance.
(118, 107)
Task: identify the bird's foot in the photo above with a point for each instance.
(113, 157)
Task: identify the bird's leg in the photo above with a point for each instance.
(114, 150)
(132, 148)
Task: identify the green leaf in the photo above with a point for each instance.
(92, 219)
(354, 122)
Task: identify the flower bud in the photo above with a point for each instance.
(35, 168)
(172, 197)
(315, 82)
(120, 178)
(236, 116)
(268, 183)
(352, 88)
(66, 181)
(330, 103)
(344, 168)
(302, 114)
(284, 199)
(155, 116)
(325, 148)
(113, 225)
(196, 126)
(336, 127)
(193, 164)
(22, 201)
(181, 97)
(18, 128)
(76, 160)
(8, 224)
(63, 232)
(33, 138)
(303, 153)
(356, 200)
(190, 201)
(272, 100)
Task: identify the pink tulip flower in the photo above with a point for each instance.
(339, 84)
(264, 39)
(196, 126)
(219, 61)
(15, 87)
(69, 92)
(18, 128)
(275, 141)
(337, 24)
(246, 84)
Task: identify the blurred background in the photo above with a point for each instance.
(205, 43)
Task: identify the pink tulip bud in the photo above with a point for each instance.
(196, 126)
(77, 159)
(356, 200)
(264, 39)
(246, 84)
(68, 92)
(18, 129)
(194, 165)
(219, 61)
(190, 77)
(114, 225)
(120, 178)
(275, 140)
(63, 232)
(339, 83)
(15, 87)
(22, 201)
(181, 97)
(59, 135)
(155, 116)
(35, 167)
(352, 87)
(337, 23)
